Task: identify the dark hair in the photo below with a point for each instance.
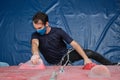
(40, 16)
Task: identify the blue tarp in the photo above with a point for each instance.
(94, 24)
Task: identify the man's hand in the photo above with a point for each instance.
(87, 61)
(35, 58)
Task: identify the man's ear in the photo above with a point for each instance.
(47, 24)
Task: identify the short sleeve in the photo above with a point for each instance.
(65, 36)
(34, 36)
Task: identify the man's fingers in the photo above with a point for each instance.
(35, 61)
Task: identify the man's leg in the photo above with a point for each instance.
(71, 57)
(99, 58)
(74, 56)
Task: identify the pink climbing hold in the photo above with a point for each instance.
(99, 71)
(29, 65)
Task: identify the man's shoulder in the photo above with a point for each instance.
(35, 33)
(56, 28)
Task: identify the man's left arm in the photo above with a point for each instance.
(78, 48)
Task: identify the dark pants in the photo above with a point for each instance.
(74, 56)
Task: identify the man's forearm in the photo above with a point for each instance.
(78, 48)
(35, 51)
(35, 45)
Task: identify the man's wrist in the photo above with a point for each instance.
(35, 56)
(36, 53)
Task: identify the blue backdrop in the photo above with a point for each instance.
(95, 24)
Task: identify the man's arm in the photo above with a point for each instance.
(35, 44)
(35, 51)
(78, 48)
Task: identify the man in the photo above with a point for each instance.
(51, 42)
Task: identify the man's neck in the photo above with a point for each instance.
(48, 29)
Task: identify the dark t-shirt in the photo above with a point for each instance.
(53, 45)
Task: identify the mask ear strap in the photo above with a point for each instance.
(47, 24)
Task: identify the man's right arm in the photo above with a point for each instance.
(35, 45)
(35, 51)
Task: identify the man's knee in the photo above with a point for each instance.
(89, 53)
